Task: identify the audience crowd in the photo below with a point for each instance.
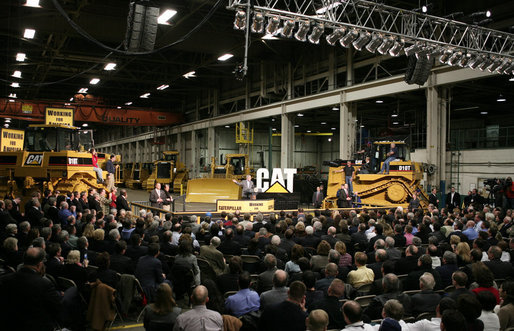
(360, 269)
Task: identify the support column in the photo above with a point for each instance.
(331, 70)
(436, 133)
(194, 155)
(349, 67)
(181, 148)
(347, 117)
(286, 139)
(212, 146)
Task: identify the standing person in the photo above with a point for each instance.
(317, 197)
(391, 156)
(113, 197)
(166, 204)
(414, 202)
(157, 196)
(344, 197)
(121, 201)
(111, 170)
(349, 172)
(96, 168)
(433, 199)
(199, 318)
(247, 186)
(452, 199)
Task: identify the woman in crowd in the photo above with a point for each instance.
(484, 279)
(185, 256)
(463, 254)
(506, 311)
(292, 265)
(346, 259)
(163, 313)
(320, 260)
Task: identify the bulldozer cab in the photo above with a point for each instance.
(237, 164)
(170, 156)
(47, 138)
(381, 148)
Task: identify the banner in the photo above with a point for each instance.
(60, 116)
(245, 206)
(12, 140)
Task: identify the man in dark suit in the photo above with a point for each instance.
(29, 300)
(344, 197)
(121, 201)
(459, 281)
(433, 199)
(119, 262)
(360, 238)
(157, 196)
(266, 277)
(135, 250)
(229, 246)
(500, 269)
(248, 187)
(331, 305)
(409, 262)
(424, 266)
(427, 300)
(149, 271)
(317, 198)
(391, 290)
(453, 199)
(447, 269)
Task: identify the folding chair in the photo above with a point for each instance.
(251, 263)
(365, 300)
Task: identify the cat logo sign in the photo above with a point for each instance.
(34, 160)
(277, 188)
(281, 180)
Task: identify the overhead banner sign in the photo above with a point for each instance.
(245, 206)
(12, 140)
(59, 116)
(284, 177)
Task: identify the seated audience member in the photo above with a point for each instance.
(163, 312)
(330, 274)
(427, 300)
(484, 279)
(409, 263)
(447, 269)
(391, 288)
(75, 270)
(149, 271)
(435, 322)
(470, 308)
(311, 295)
(500, 269)
(332, 304)
(317, 320)
(245, 300)
(453, 320)
(266, 277)
(352, 312)
(288, 315)
(487, 316)
(104, 273)
(229, 281)
(320, 260)
(278, 293)
(459, 281)
(363, 275)
(199, 318)
(392, 314)
(424, 265)
(506, 312)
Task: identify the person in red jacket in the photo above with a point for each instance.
(96, 168)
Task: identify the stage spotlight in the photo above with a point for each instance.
(445, 56)
(363, 39)
(505, 64)
(424, 52)
(386, 45)
(411, 50)
(455, 58)
(316, 33)
(287, 29)
(396, 49)
(347, 40)
(303, 29)
(273, 24)
(375, 42)
(465, 60)
(335, 36)
(486, 63)
(492, 67)
(258, 23)
(240, 21)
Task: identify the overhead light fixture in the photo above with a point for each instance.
(12, 95)
(501, 98)
(362, 125)
(323, 123)
(273, 24)
(67, 104)
(165, 17)
(119, 107)
(465, 60)
(296, 126)
(274, 129)
(375, 42)
(15, 84)
(411, 50)
(504, 66)
(324, 9)
(350, 37)
(379, 101)
(20, 57)
(335, 108)
(85, 125)
(496, 63)
(424, 52)
(71, 99)
(94, 81)
(335, 36)
(128, 103)
(190, 74)
(511, 79)
(488, 13)
(110, 66)
(300, 115)
(227, 126)
(333, 129)
(510, 69)
(435, 52)
(483, 113)
(476, 61)
(16, 74)
(363, 39)
(269, 37)
(145, 96)
(163, 87)
(386, 45)
(83, 90)
(287, 28)
(29, 33)
(424, 9)
(303, 29)
(33, 3)
(7, 125)
(258, 23)
(396, 49)
(396, 123)
(394, 115)
(316, 33)
(225, 57)
(486, 63)
(455, 58)
(309, 131)
(273, 119)
(240, 21)
(7, 120)
(329, 139)
(445, 56)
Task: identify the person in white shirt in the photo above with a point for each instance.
(433, 324)
(490, 319)
(392, 314)
(352, 312)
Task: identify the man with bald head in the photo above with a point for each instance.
(199, 318)
(352, 312)
(214, 256)
(332, 304)
(278, 293)
(29, 300)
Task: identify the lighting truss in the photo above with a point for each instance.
(396, 26)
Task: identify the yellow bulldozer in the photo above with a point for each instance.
(168, 170)
(137, 174)
(373, 189)
(49, 157)
(219, 184)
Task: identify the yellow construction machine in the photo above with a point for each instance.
(138, 174)
(391, 190)
(50, 157)
(168, 170)
(219, 184)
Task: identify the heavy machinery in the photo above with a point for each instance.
(394, 189)
(53, 158)
(168, 170)
(138, 174)
(219, 184)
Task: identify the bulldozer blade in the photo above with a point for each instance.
(208, 190)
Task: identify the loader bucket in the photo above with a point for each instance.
(210, 189)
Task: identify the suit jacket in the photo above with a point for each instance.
(433, 200)
(246, 185)
(266, 280)
(424, 302)
(374, 310)
(332, 306)
(121, 203)
(456, 200)
(500, 269)
(154, 196)
(341, 199)
(122, 264)
(317, 200)
(446, 271)
(149, 272)
(214, 257)
(29, 301)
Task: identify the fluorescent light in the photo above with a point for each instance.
(269, 36)
(483, 113)
(7, 125)
(511, 79)
(12, 95)
(83, 90)
(296, 126)
(396, 123)
(488, 13)
(273, 119)
(227, 126)
(163, 87)
(128, 103)
(119, 107)
(300, 115)
(274, 129)
(501, 98)
(329, 139)
(379, 101)
(323, 10)
(424, 9)
(94, 81)
(225, 57)
(71, 99)
(7, 120)
(20, 57)
(309, 131)
(67, 104)
(29, 33)
(164, 18)
(190, 74)
(333, 129)
(144, 96)
(110, 66)
(85, 125)
(17, 74)
(323, 123)
(335, 108)
(33, 3)
(394, 115)
(15, 84)
(362, 126)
